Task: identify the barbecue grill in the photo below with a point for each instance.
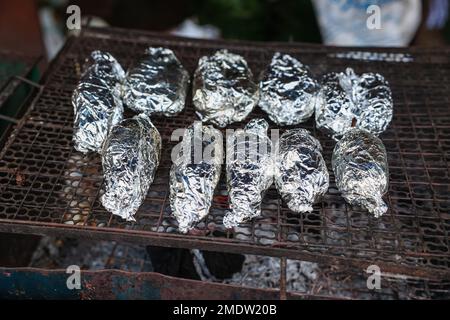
(48, 188)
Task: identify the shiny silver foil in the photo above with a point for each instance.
(301, 175)
(130, 158)
(157, 84)
(287, 91)
(361, 170)
(194, 174)
(223, 90)
(249, 171)
(97, 101)
(345, 98)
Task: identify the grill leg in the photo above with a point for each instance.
(283, 294)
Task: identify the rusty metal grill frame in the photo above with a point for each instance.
(8, 80)
(46, 187)
(336, 282)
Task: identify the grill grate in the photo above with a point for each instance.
(13, 64)
(47, 187)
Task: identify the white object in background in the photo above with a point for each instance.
(53, 37)
(191, 29)
(367, 22)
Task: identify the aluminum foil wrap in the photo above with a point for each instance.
(194, 174)
(346, 97)
(361, 170)
(249, 171)
(97, 101)
(223, 90)
(130, 158)
(287, 91)
(301, 175)
(157, 84)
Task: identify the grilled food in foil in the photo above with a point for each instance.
(157, 84)
(249, 171)
(97, 101)
(223, 90)
(347, 97)
(301, 175)
(194, 174)
(361, 170)
(287, 91)
(130, 158)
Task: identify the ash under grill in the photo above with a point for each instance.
(46, 187)
(303, 279)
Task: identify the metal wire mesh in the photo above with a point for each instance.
(13, 64)
(48, 187)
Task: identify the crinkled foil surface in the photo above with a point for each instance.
(249, 171)
(347, 96)
(224, 90)
(287, 91)
(97, 101)
(301, 175)
(194, 174)
(130, 158)
(361, 170)
(157, 84)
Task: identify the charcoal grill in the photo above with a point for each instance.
(46, 187)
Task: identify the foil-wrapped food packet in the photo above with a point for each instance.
(301, 175)
(287, 91)
(157, 84)
(223, 89)
(97, 101)
(249, 171)
(194, 174)
(346, 98)
(360, 166)
(130, 158)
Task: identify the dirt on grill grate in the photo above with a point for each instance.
(46, 187)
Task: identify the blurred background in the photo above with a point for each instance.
(39, 27)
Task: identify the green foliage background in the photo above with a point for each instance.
(263, 20)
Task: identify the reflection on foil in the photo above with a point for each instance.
(223, 90)
(157, 84)
(287, 91)
(194, 174)
(301, 175)
(249, 171)
(97, 101)
(346, 97)
(130, 158)
(361, 170)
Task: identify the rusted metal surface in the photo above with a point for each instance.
(14, 249)
(283, 294)
(31, 283)
(59, 188)
(339, 281)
